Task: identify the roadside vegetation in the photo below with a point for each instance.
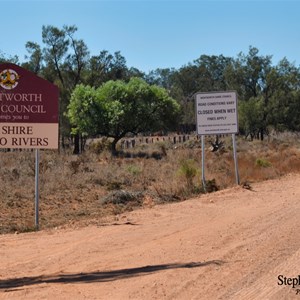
(87, 189)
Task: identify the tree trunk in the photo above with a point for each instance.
(262, 134)
(114, 151)
(76, 144)
(82, 143)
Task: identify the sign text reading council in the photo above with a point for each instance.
(28, 110)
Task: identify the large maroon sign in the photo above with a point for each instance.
(28, 109)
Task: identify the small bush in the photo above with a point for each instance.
(134, 170)
(74, 166)
(189, 171)
(211, 186)
(262, 163)
(99, 146)
(163, 148)
(123, 197)
(114, 185)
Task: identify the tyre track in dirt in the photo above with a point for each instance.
(256, 252)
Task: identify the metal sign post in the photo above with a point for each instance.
(37, 164)
(203, 162)
(237, 177)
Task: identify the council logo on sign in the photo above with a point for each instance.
(9, 79)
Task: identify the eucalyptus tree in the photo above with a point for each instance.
(284, 104)
(161, 77)
(118, 108)
(212, 72)
(106, 66)
(271, 88)
(66, 60)
(207, 73)
(34, 58)
(4, 58)
(250, 75)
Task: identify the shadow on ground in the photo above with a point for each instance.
(99, 276)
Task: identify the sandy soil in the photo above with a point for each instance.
(232, 244)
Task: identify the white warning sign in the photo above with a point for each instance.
(216, 113)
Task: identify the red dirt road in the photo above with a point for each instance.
(232, 244)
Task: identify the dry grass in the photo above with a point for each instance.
(91, 187)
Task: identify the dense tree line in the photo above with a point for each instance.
(269, 95)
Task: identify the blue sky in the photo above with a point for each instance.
(159, 34)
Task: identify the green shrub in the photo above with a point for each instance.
(261, 162)
(134, 170)
(189, 171)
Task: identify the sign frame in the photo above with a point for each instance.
(29, 110)
(216, 113)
